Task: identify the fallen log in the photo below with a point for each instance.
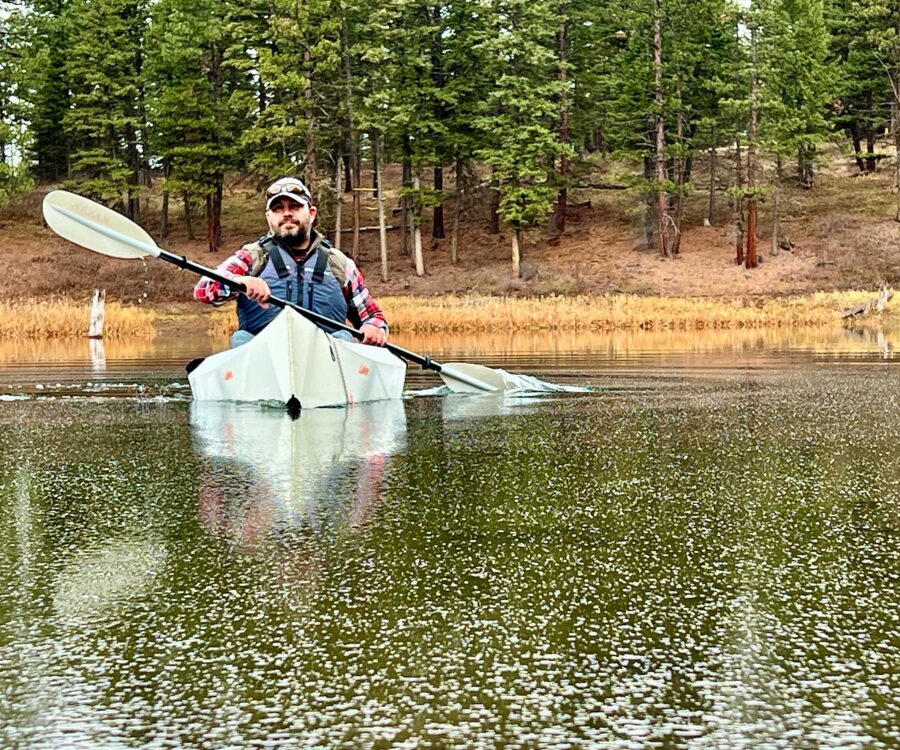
(368, 229)
(602, 186)
(873, 305)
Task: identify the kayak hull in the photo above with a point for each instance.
(293, 359)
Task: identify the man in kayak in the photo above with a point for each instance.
(296, 263)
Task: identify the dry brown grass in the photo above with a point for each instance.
(37, 319)
(615, 312)
(466, 314)
(34, 319)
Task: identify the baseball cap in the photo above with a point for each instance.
(288, 187)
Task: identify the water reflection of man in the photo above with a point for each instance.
(324, 469)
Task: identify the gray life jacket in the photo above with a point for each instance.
(311, 284)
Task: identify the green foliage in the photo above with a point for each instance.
(518, 119)
(15, 177)
(299, 72)
(103, 120)
(44, 36)
(97, 90)
(190, 89)
(796, 80)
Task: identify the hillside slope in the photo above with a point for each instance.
(842, 232)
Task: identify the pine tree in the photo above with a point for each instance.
(861, 95)
(299, 71)
(797, 85)
(883, 40)
(189, 87)
(104, 121)
(49, 33)
(14, 175)
(519, 117)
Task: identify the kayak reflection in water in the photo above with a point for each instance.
(266, 475)
(296, 263)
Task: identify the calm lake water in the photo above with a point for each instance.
(702, 551)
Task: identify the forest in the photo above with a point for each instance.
(506, 97)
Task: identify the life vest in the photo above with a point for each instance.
(311, 284)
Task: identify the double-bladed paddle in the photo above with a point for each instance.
(98, 228)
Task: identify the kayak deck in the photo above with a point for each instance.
(292, 360)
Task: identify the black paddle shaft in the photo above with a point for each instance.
(427, 363)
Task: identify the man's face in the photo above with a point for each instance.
(290, 220)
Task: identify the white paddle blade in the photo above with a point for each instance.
(463, 377)
(96, 227)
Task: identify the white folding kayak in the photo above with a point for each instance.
(294, 362)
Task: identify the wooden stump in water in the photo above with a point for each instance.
(98, 307)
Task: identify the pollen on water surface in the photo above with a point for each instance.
(704, 563)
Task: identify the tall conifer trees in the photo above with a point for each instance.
(519, 117)
(512, 94)
(103, 120)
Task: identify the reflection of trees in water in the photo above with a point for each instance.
(623, 343)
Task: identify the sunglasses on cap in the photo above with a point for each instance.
(288, 188)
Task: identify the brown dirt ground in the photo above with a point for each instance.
(843, 233)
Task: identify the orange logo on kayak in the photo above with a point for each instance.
(363, 370)
(228, 375)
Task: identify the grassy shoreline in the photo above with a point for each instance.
(66, 318)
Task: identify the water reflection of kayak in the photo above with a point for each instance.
(294, 361)
(267, 470)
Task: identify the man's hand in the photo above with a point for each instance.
(257, 289)
(373, 335)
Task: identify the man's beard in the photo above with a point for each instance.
(294, 238)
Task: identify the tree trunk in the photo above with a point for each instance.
(98, 310)
(417, 232)
(133, 159)
(805, 157)
(680, 172)
(357, 193)
(214, 217)
(438, 78)
(437, 222)
(405, 218)
(354, 182)
(338, 200)
(382, 226)
(516, 254)
(776, 208)
(856, 139)
(164, 215)
(750, 260)
(711, 203)
(348, 175)
(871, 161)
(662, 197)
(187, 215)
(457, 211)
(738, 200)
(311, 170)
(217, 210)
(894, 79)
(495, 208)
(562, 44)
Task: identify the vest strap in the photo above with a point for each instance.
(321, 265)
(277, 260)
